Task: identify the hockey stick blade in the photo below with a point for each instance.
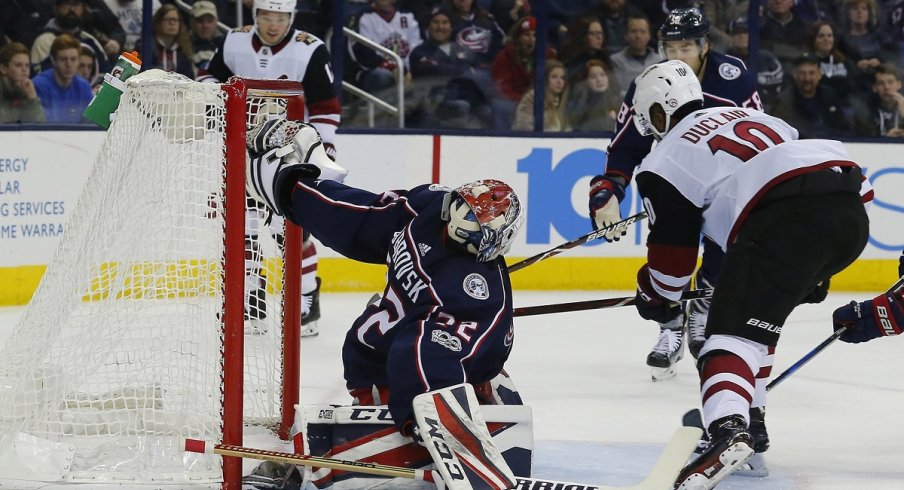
(662, 475)
(596, 304)
(897, 286)
(593, 235)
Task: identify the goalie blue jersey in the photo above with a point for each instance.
(726, 82)
(444, 318)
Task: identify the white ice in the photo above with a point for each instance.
(838, 423)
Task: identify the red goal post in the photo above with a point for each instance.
(137, 336)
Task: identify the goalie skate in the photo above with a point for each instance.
(669, 349)
(310, 304)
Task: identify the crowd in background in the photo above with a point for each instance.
(829, 67)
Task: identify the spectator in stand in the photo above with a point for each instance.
(105, 26)
(391, 28)
(507, 12)
(595, 99)
(445, 70)
(173, 51)
(815, 110)
(613, 15)
(513, 70)
(19, 101)
(70, 17)
(637, 54)
(130, 13)
(862, 43)
(881, 113)
(783, 33)
(834, 65)
(205, 35)
(88, 68)
(476, 29)
(64, 95)
(770, 74)
(584, 41)
(555, 102)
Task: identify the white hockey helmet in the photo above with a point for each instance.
(671, 84)
(286, 6)
(484, 217)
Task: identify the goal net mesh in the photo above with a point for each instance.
(119, 354)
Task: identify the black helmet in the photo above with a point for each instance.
(684, 23)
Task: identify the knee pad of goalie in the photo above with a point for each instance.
(451, 427)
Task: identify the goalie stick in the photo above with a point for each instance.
(599, 303)
(593, 235)
(662, 475)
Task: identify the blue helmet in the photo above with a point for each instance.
(684, 24)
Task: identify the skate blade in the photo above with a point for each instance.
(733, 457)
(310, 330)
(663, 374)
(755, 467)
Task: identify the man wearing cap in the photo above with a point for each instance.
(205, 34)
(130, 15)
(810, 106)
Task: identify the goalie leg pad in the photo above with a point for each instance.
(453, 430)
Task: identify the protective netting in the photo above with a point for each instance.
(119, 353)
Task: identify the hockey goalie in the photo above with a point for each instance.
(430, 347)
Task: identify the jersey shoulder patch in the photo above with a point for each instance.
(476, 286)
(729, 71)
(243, 29)
(304, 37)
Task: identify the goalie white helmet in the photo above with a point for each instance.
(484, 217)
(282, 6)
(670, 85)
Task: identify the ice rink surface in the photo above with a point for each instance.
(838, 423)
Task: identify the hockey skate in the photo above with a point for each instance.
(310, 312)
(756, 466)
(697, 314)
(731, 445)
(669, 349)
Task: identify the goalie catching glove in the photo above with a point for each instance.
(279, 153)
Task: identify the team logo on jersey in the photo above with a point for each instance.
(729, 71)
(476, 286)
(509, 337)
(446, 340)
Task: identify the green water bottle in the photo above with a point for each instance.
(105, 102)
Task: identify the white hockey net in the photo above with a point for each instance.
(119, 355)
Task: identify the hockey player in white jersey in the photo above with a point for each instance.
(271, 49)
(788, 214)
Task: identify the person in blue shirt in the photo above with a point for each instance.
(63, 93)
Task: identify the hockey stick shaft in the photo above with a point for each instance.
(596, 304)
(198, 446)
(667, 467)
(593, 235)
(822, 345)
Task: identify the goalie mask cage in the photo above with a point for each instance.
(136, 337)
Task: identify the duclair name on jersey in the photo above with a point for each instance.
(705, 126)
(404, 267)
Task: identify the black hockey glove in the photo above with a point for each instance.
(650, 305)
(817, 293)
